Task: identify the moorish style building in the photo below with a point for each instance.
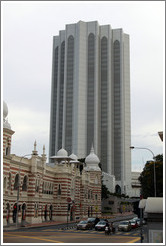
(37, 191)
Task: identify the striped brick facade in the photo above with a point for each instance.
(44, 189)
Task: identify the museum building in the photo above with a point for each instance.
(35, 191)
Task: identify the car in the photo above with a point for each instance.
(100, 226)
(84, 225)
(124, 226)
(92, 221)
(134, 224)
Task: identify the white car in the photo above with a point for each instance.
(124, 226)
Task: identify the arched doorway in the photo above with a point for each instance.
(117, 189)
(88, 211)
(14, 212)
(23, 212)
(7, 212)
(45, 212)
(51, 210)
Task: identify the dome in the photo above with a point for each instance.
(5, 110)
(74, 157)
(62, 152)
(5, 114)
(92, 158)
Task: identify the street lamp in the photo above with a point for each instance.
(18, 189)
(132, 147)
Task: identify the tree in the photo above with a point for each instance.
(146, 178)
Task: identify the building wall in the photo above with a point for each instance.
(44, 189)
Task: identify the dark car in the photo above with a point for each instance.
(100, 226)
(92, 221)
(84, 225)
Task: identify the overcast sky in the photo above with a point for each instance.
(28, 28)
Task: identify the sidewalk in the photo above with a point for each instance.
(52, 223)
(43, 224)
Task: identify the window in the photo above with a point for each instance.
(37, 185)
(36, 207)
(59, 189)
(7, 147)
(10, 178)
(16, 183)
(4, 183)
(24, 185)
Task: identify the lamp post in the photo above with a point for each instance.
(18, 189)
(132, 147)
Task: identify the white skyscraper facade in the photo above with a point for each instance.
(90, 96)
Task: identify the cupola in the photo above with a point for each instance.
(92, 161)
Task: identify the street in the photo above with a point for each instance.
(54, 235)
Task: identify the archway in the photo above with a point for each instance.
(14, 212)
(23, 212)
(50, 212)
(7, 212)
(117, 189)
(45, 212)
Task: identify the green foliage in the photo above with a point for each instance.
(104, 192)
(146, 178)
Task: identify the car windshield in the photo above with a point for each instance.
(124, 223)
(91, 219)
(102, 223)
(83, 222)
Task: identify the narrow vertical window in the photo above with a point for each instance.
(90, 91)
(104, 102)
(69, 94)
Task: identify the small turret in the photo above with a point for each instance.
(34, 152)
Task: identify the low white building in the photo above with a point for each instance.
(111, 184)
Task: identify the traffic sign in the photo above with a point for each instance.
(68, 199)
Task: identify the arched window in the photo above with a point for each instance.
(59, 189)
(7, 147)
(4, 183)
(24, 185)
(16, 183)
(36, 207)
(37, 185)
(117, 189)
(10, 180)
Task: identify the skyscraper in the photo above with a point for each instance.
(90, 96)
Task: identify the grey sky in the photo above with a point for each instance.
(28, 28)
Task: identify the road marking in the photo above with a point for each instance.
(134, 240)
(37, 238)
(49, 230)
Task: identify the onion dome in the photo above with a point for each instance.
(62, 153)
(92, 158)
(92, 161)
(5, 110)
(73, 157)
(5, 114)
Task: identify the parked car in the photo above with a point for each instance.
(92, 221)
(84, 225)
(134, 224)
(124, 226)
(100, 226)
